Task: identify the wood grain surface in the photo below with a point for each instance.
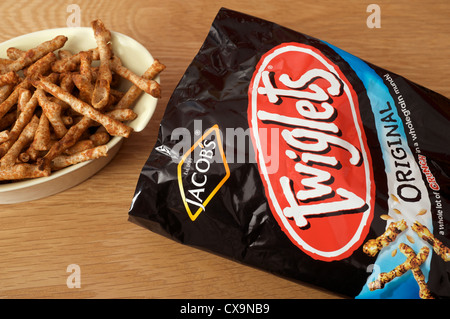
(88, 225)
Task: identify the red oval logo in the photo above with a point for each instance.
(303, 108)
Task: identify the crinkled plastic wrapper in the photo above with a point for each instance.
(283, 152)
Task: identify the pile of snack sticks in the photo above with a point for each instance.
(58, 109)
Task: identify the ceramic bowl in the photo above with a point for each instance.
(134, 56)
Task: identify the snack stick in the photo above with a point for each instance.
(149, 86)
(66, 65)
(25, 137)
(102, 36)
(4, 61)
(41, 141)
(72, 136)
(415, 260)
(24, 97)
(83, 80)
(424, 292)
(5, 91)
(113, 127)
(100, 94)
(410, 263)
(53, 113)
(84, 86)
(12, 99)
(66, 82)
(8, 120)
(4, 136)
(79, 146)
(122, 115)
(9, 78)
(24, 157)
(95, 71)
(63, 54)
(95, 54)
(62, 161)
(22, 120)
(52, 77)
(22, 171)
(41, 66)
(28, 103)
(438, 247)
(36, 53)
(31, 154)
(14, 53)
(135, 92)
(373, 246)
(85, 65)
(64, 106)
(99, 138)
(154, 69)
(70, 63)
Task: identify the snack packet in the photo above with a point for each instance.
(283, 152)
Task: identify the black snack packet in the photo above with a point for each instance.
(283, 152)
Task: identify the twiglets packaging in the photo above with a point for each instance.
(286, 153)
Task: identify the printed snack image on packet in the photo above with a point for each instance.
(286, 153)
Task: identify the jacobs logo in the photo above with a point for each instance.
(196, 182)
(321, 195)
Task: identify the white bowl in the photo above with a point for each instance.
(134, 56)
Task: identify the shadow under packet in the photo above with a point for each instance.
(283, 152)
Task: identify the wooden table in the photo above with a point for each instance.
(88, 225)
